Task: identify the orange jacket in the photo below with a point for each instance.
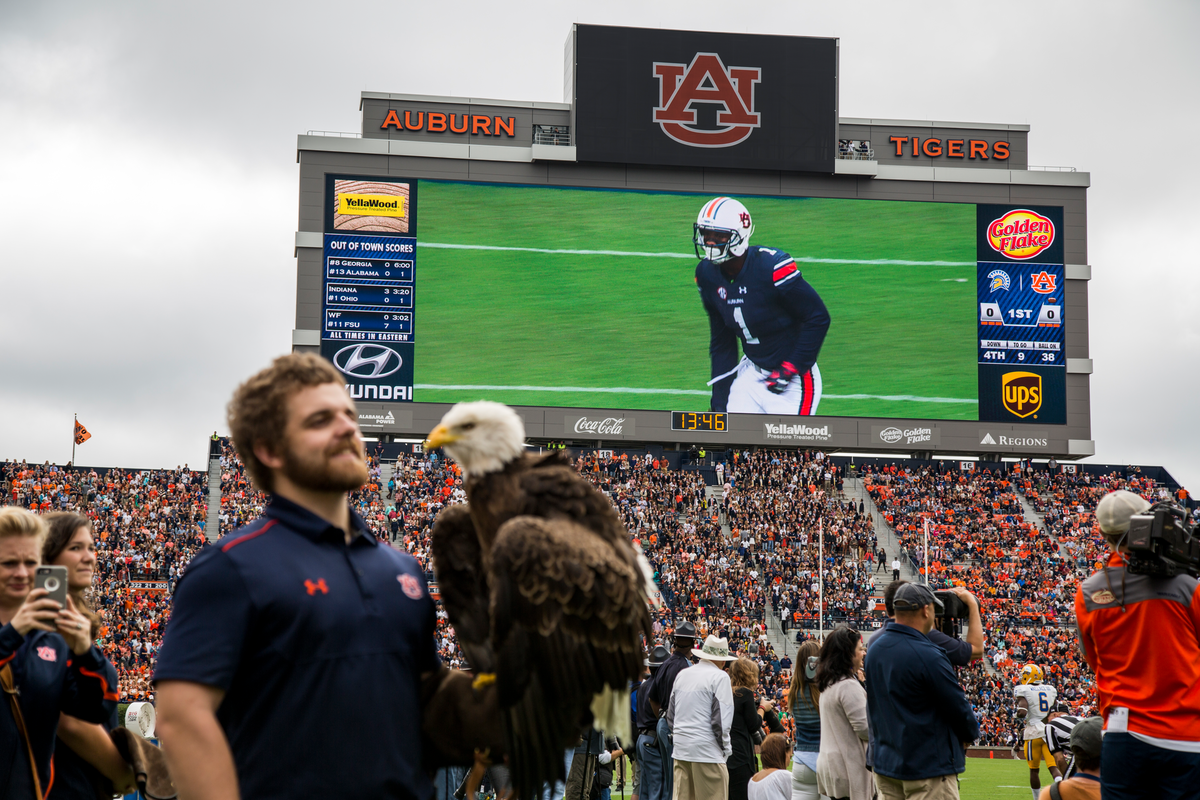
(1147, 657)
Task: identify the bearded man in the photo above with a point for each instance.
(292, 663)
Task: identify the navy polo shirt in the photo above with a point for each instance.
(319, 647)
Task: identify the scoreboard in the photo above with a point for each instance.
(369, 282)
(1020, 283)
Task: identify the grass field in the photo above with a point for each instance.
(985, 779)
(496, 310)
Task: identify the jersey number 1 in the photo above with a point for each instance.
(737, 314)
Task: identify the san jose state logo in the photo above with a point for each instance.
(999, 279)
(706, 80)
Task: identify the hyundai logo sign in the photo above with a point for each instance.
(367, 360)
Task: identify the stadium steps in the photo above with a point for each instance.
(715, 495)
(386, 470)
(884, 535)
(212, 523)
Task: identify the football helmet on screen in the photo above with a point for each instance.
(722, 230)
(1031, 673)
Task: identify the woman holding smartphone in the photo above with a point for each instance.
(86, 762)
(48, 664)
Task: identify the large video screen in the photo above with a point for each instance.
(575, 297)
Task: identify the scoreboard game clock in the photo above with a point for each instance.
(712, 421)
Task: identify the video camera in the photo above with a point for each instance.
(950, 616)
(1162, 544)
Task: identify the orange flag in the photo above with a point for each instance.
(81, 433)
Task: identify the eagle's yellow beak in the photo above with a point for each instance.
(439, 436)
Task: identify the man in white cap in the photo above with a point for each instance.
(1141, 636)
(699, 716)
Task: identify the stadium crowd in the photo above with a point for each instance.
(149, 523)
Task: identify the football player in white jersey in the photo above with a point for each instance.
(1035, 701)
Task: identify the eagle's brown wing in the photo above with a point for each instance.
(567, 612)
(463, 582)
(550, 488)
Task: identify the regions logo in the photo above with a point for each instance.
(999, 279)
(1020, 234)
(706, 81)
(891, 435)
(1021, 392)
(375, 205)
(1042, 282)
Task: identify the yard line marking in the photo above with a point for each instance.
(804, 260)
(463, 387)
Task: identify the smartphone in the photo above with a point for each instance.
(54, 581)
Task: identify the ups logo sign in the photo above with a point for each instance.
(1022, 392)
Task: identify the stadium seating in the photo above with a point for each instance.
(738, 559)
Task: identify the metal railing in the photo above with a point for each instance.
(1051, 169)
(853, 155)
(557, 135)
(339, 134)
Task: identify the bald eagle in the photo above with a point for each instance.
(546, 593)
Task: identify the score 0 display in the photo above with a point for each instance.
(714, 421)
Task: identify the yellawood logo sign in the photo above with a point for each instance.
(374, 205)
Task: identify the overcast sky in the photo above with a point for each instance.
(129, 131)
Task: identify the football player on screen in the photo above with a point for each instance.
(756, 294)
(1035, 700)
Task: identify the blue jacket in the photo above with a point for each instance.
(918, 712)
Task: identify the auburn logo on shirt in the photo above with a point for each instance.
(318, 586)
(410, 586)
(47, 654)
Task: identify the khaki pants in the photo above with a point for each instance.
(696, 780)
(944, 787)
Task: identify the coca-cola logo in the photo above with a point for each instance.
(609, 426)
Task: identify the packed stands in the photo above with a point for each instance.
(723, 555)
(148, 524)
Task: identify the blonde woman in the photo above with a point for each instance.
(47, 654)
(804, 702)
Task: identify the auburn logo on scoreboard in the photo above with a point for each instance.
(1020, 234)
(1022, 392)
(706, 80)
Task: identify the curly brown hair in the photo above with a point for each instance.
(743, 673)
(257, 414)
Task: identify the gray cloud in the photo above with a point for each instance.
(144, 310)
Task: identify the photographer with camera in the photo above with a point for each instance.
(956, 604)
(1139, 625)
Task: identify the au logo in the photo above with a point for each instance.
(1022, 392)
(706, 81)
(1042, 282)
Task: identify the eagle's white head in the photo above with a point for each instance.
(482, 436)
